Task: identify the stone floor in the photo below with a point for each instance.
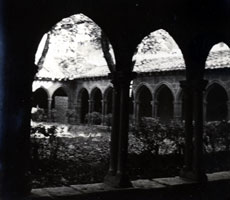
(175, 188)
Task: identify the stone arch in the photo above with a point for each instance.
(138, 89)
(59, 105)
(40, 98)
(164, 100)
(83, 101)
(144, 99)
(157, 44)
(163, 84)
(216, 99)
(77, 20)
(218, 52)
(96, 98)
(108, 98)
(180, 100)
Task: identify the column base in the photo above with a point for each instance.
(117, 181)
(193, 176)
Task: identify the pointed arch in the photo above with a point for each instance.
(218, 57)
(75, 26)
(144, 98)
(96, 98)
(40, 98)
(158, 52)
(139, 87)
(60, 103)
(164, 100)
(108, 98)
(216, 99)
(83, 102)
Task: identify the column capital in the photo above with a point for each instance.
(122, 78)
(194, 84)
(136, 102)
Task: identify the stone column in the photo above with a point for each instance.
(188, 106)
(117, 175)
(198, 89)
(103, 111)
(49, 109)
(205, 110)
(153, 109)
(177, 110)
(110, 177)
(136, 111)
(193, 99)
(124, 80)
(90, 110)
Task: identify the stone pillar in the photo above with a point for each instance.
(136, 111)
(198, 89)
(90, 109)
(103, 111)
(117, 176)
(177, 110)
(188, 106)
(124, 80)
(205, 110)
(153, 109)
(110, 178)
(49, 109)
(193, 100)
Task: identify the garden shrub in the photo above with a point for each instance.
(108, 119)
(151, 133)
(152, 136)
(217, 136)
(71, 116)
(38, 115)
(94, 118)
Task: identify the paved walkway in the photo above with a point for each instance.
(175, 188)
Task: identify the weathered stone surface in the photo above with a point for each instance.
(173, 181)
(40, 194)
(90, 188)
(146, 184)
(219, 176)
(62, 191)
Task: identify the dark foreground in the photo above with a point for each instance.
(217, 187)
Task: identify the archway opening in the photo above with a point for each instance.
(59, 105)
(84, 105)
(217, 109)
(164, 104)
(97, 100)
(40, 99)
(109, 101)
(145, 102)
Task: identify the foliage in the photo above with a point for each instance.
(156, 137)
(217, 136)
(39, 115)
(94, 118)
(71, 116)
(50, 138)
(108, 120)
(151, 133)
(68, 160)
(83, 157)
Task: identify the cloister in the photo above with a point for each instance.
(196, 26)
(153, 93)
